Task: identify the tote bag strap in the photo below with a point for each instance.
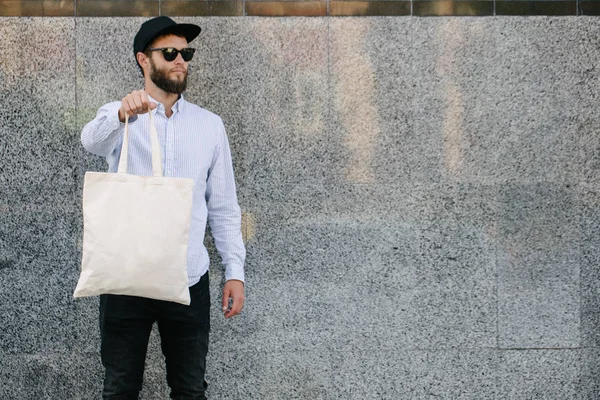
(156, 161)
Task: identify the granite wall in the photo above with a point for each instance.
(421, 205)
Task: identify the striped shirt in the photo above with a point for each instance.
(193, 145)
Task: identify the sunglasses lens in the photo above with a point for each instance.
(187, 54)
(169, 53)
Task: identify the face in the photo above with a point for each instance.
(170, 76)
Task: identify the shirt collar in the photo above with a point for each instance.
(177, 107)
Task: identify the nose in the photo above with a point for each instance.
(178, 59)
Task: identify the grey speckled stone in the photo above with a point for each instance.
(37, 122)
(36, 231)
(539, 374)
(528, 117)
(590, 266)
(415, 268)
(382, 107)
(50, 376)
(538, 266)
(38, 314)
(273, 90)
(38, 154)
(590, 379)
(106, 70)
(377, 374)
(270, 375)
(586, 135)
(462, 99)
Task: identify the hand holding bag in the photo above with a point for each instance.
(135, 231)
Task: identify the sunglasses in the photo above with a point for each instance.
(170, 53)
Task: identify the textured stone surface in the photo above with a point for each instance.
(326, 374)
(50, 375)
(32, 231)
(586, 118)
(419, 196)
(467, 101)
(589, 159)
(540, 374)
(38, 154)
(590, 262)
(38, 314)
(37, 123)
(538, 266)
(590, 380)
(38, 149)
(418, 374)
(271, 88)
(388, 98)
(526, 123)
(373, 266)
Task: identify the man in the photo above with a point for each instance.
(193, 145)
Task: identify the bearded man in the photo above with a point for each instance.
(193, 145)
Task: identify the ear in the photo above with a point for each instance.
(142, 59)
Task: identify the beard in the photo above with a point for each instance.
(161, 79)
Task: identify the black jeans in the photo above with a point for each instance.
(125, 326)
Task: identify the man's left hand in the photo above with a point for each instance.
(233, 289)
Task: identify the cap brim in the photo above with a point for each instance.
(189, 31)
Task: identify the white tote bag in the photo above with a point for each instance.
(135, 231)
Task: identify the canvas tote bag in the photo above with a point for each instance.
(135, 231)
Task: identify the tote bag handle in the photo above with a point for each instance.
(156, 161)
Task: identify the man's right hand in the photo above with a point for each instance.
(135, 103)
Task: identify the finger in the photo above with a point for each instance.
(225, 302)
(236, 307)
(239, 303)
(122, 114)
(132, 106)
(231, 313)
(145, 100)
(139, 104)
(125, 107)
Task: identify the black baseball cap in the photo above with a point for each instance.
(158, 26)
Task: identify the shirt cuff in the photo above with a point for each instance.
(114, 116)
(111, 127)
(234, 272)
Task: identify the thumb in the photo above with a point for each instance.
(153, 105)
(225, 301)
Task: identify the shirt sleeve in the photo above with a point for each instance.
(105, 132)
(224, 214)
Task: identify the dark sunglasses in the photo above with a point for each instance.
(170, 53)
